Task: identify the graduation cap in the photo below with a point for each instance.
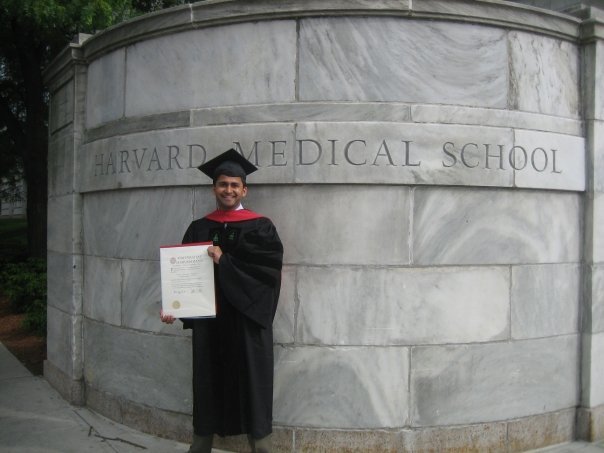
(229, 163)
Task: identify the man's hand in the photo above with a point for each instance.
(215, 253)
(168, 319)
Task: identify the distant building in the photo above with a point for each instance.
(12, 200)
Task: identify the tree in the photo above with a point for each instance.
(32, 32)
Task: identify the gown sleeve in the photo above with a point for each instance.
(250, 276)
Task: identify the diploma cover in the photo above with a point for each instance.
(187, 280)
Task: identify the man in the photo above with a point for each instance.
(233, 353)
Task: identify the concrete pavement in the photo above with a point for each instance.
(35, 419)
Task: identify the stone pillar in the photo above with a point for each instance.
(67, 85)
(591, 413)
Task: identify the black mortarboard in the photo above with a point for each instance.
(229, 163)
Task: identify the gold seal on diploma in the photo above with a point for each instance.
(176, 305)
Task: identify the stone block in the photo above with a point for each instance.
(541, 430)
(590, 423)
(595, 139)
(134, 224)
(64, 282)
(549, 161)
(154, 370)
(282, 441)
(105, 88)
(284, 322)
(597, 241)
(301, 111)
(455, 114)
(495, 227)
(400, 153)
(599, 82)
(173, 19)
(64, 231)
(72, 390)
(200, 68)
(340, 306)
(333, 441)
(486, 437)
(170, 157)
(597, 299)
(61, 162)
(341, 58)
(351, 387)
(141, 298)
(162, 423)
(593, 370)
(547, 22)
(125, 126)
(491, 382)
(103, 290)
(544, 75)
(348, 223)
(61, 107)
(593, 80)
(64, 342)
(545, 300)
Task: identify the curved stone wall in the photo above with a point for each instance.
(425, 164)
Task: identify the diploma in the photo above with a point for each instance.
(187, 280)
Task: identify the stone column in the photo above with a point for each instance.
(591, 413)
(67, 85)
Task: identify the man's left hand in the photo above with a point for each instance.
(215, 253)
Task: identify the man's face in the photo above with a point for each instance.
(229, 191)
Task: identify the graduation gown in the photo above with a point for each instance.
(233, 353)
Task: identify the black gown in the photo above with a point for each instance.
(233, 353)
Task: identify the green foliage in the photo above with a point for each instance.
(24, 283)
(13, 239)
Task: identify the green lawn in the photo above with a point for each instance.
(13, 238)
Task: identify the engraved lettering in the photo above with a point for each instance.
(254, 151)
(488, 155)
(139, 162)
(383, 146)
(512, 158)
(545, 159)
(554, 169)
(110, 163)
(154, 158)
(318, 151)
(408, 153)
(203, 151)
(347, 155)
(450, 154)
(280, 153)
(333, 152)
(98, 164)
(463, 155)
(124, 161)
(173, 157)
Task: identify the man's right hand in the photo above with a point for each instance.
(168, 319)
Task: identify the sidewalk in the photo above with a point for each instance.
(35, 419)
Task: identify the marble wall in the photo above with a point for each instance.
(436, 184)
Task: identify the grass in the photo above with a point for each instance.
(13, 238)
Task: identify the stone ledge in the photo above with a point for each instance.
(71, 390)
(162, 423)
(590, 423)
(513, 435)
(300, 112)
(214, 13)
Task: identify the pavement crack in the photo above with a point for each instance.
(118, 439)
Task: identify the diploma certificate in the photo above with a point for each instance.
(187, 281)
